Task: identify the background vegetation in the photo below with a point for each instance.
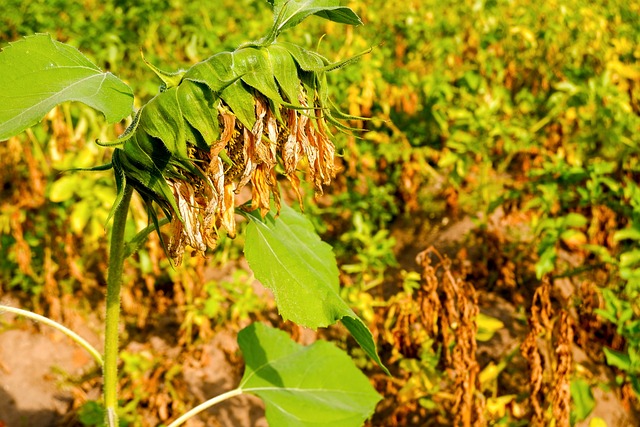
(503, 153)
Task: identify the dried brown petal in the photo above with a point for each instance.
(206, 205)
(292, 147)
(228, 217)
(249, 151)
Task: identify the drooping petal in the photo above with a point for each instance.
(272, 130)
(229, 125)
(326, 152)
(228, 217)
(260, 191)
(292, 149)
(249, 151)
(191, 230)
(215, 172)
(258, 130)
(295, 184)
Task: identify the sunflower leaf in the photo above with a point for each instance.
(289, 258)
(304, 386)
(306, 59)
(38, 73)
(289, 13)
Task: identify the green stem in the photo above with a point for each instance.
(112, 319)
(206, 405)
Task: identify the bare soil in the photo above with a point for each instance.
(33, 360)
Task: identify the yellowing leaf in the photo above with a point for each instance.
(487, 327)
(63, 189)
(497, 406)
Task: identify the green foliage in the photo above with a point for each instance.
(582, 399)
(88, 201)
(373, 249)
(91, 414)
(289, 13)
(621, 313)
(222, 302)
(304, 386)
(38, 73)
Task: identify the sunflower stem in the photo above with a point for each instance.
(112, 318)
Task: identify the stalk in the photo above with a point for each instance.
(206, 405)
(112, 318)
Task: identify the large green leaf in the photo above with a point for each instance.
(304, 386)
(289, 258)
(38, 73)
(289, 13)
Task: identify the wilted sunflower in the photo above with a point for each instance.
(224, 123)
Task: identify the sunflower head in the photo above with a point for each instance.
(229, 121)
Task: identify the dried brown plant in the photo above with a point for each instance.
(548, 351)
(539, 322)
(561, 394)
(450, 307)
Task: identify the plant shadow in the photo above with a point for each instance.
(11, 415)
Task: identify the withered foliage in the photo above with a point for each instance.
(548, 351)
(449, 309)
(561, 395)
(539, 322)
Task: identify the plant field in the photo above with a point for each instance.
(485, 216)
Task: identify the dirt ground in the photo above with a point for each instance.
(32, 357)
